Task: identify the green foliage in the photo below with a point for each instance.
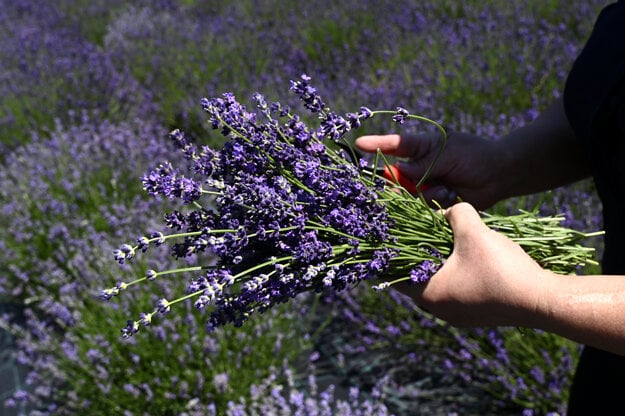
(176, 367)
(92, 19)
(515, 368)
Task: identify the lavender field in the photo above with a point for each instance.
(89, 91)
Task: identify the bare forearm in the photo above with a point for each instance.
(586, 309)
(542, 155)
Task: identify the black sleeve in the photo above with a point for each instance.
(594, 101)
(594, 85)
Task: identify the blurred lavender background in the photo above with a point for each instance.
(88, 90)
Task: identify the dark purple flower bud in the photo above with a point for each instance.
(163, 306)
(308, 94)
(157, 238)
(151, 274)
(145, 318)
(261, 103)
(334, 126)
(201, 302)
(401, 115)
(179, 139)
(424, 271)
(175, 220)
(125, 252)
(353, 120)
(143, 243)
(225, 278)
(365, 113)
(131, 328)
(207, 161)
(107, 294)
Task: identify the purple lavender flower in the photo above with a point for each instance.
(308, 94)
(220, 381)
(125, 252)
(131, 328)
(424, 271)
(165, 180)
(335, 127)
(163, 306)
(400, 115)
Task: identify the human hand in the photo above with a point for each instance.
(488, 280)
(468, 167)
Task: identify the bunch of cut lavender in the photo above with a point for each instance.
(280, 210)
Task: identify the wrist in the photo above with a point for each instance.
(503, 175)
(541, 300)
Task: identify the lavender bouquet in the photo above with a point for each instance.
(282, 210)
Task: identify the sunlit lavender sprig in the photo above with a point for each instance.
(284, 211)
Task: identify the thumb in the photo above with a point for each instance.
(464, 220)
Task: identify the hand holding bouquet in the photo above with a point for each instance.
(282, 209)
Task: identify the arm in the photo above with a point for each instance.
(507, 288)
(586, 309)
(539, 156)
(542, 155)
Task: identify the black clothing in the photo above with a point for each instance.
(594, 101)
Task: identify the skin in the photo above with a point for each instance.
(506, 287)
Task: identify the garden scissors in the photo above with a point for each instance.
(389, 172)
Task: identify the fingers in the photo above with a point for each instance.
(400, 146)
(420, 150)
(387, 144)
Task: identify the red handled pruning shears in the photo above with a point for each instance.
(393, 175)
(389, 172)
